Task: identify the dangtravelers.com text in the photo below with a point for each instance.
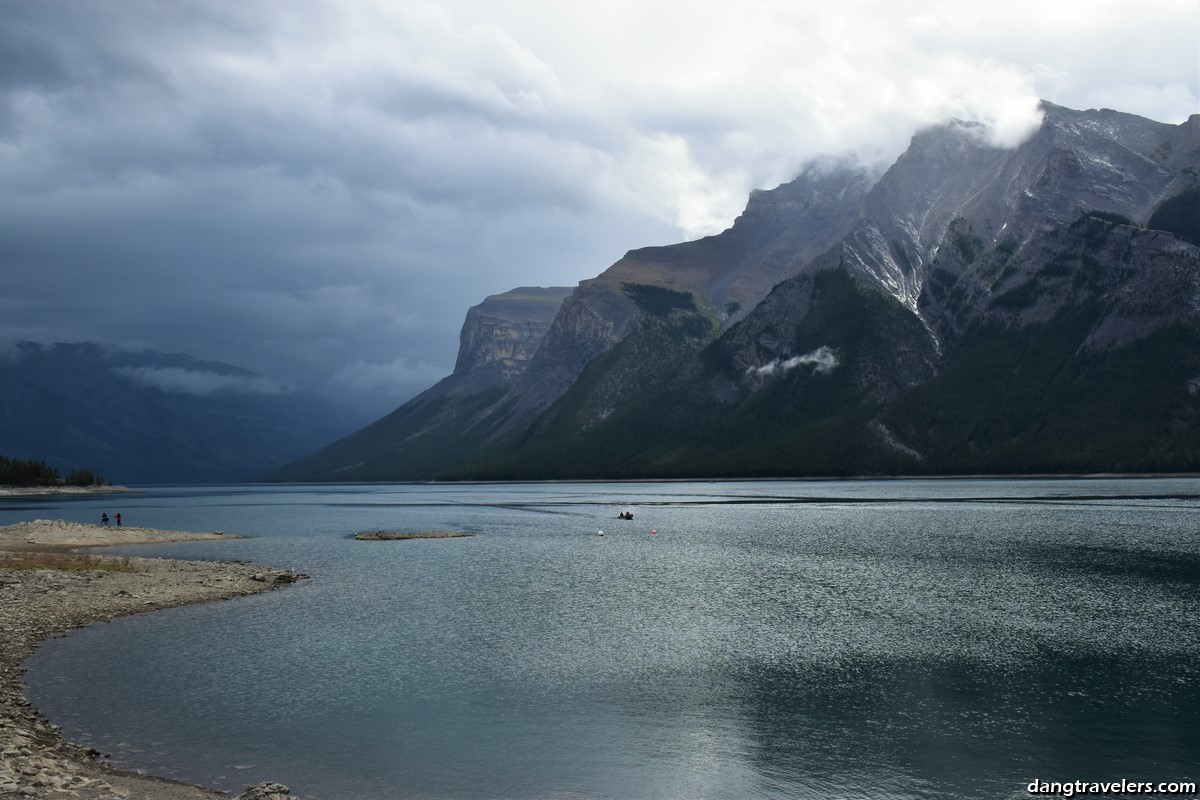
(1073, 788)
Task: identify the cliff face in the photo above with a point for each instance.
(501, 335)
(973, 309)
(459, 415)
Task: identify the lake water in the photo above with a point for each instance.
(860, 639)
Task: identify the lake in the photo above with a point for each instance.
(825, 639)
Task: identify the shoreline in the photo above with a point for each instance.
(964, 477)
(56, 491)
(48, 588)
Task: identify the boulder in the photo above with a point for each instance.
(266, 791)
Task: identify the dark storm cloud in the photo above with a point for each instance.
(237, 184)
(318, 191)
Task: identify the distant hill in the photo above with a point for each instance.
(971, 309)
(151, 417)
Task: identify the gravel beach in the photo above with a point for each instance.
(47, 588)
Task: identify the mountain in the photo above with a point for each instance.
(151, 417)
(476, 409)
(971, 309)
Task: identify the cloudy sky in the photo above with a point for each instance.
(318, 190)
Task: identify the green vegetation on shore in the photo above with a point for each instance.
(17, 472)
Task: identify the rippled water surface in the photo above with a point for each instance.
(892, 639)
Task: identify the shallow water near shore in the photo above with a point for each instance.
(860, 639)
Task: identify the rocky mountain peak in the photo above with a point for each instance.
(1077, 161)
(780, 230)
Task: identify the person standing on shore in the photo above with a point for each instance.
(118, 519)
(104, 519)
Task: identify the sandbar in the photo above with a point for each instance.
(403, 536)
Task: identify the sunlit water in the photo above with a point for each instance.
(892, 639)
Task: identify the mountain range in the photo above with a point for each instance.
(970, 309)
(142, 416)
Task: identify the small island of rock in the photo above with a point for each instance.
(388, 536)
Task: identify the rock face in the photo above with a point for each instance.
(594, 318)
(997, 198)
(501, 335)
(973, 308)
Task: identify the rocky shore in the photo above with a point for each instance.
(51, 491)
(47, 588)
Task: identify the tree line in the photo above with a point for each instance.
(18, 472)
